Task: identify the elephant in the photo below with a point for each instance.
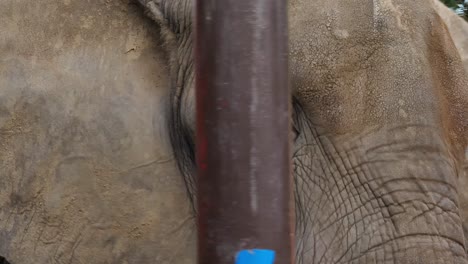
(97, 132)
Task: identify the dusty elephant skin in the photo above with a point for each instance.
(87, 174)
(86, 171)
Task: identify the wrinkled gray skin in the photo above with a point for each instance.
(458, 29)
(91, 154)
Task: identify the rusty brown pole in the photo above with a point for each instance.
(243, 129)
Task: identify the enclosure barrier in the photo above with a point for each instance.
(244, 200)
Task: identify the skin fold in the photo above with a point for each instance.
(97, 132)
(458, 29)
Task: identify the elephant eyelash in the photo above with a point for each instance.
(3, 260)
(295, 118)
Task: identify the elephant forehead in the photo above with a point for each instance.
(87, 172)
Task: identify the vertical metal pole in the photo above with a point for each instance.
(243, 129)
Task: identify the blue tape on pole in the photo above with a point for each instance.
(255, 256)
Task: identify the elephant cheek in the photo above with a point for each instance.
(384, 197)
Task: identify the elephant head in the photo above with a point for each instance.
(380, 115)
(86, 176)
